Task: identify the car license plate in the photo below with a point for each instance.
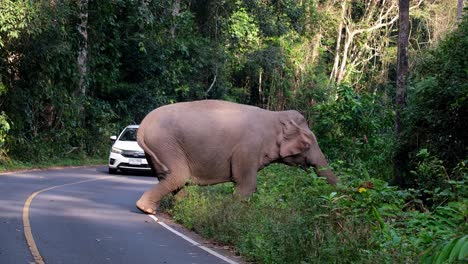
(134, 161)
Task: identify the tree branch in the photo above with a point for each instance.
(211, 86)
(380, 25)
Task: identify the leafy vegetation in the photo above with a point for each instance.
(295, 217)
(74, 73)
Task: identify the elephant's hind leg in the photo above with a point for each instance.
(149, 201)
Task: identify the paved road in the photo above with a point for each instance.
(86, 217)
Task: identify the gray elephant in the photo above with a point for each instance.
(209, 142)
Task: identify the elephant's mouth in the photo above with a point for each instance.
(304, 167)
(298, 161)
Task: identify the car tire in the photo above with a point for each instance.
(112, 171)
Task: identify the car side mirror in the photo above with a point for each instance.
(113, 138)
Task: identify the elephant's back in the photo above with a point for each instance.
(207, 106)
(206, 122)
(198, 114)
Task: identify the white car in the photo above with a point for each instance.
(126, 154)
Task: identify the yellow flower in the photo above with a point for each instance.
(362, 189)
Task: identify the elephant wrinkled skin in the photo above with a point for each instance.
(209, 142)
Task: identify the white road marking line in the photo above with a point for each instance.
(191, 241)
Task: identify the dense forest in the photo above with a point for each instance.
(74, 72)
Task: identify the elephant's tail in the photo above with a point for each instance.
(160, 169)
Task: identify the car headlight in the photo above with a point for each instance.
(116, 150)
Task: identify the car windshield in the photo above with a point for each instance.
(130, 134)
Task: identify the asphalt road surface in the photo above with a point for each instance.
(84, 215)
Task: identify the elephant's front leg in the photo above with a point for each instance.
(246, 187)
(149, 201)
(244, 174)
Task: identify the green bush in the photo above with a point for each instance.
(356, 131)
(435, 183)
(79, 128)
(435, 118)
(4, 128)
(295, 217)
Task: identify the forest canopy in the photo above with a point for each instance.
(72, 72)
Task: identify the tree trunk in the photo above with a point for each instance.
(307, 17)
(342, 70)
(82, 59)
(254, 94)
(336, 63)
(175, 13)
(402, 63)
(316, 47)
(401, 155)
(460, 9)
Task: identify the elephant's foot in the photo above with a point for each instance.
(146, 207)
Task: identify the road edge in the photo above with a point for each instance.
(6, 172)
(227, 251)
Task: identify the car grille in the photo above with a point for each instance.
(127, 165)
(133, 154)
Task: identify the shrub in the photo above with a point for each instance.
(4, 128)
(435, 118)
(357, 131)
(435, 183)
(295, 217)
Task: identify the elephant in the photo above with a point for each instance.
(212, 141)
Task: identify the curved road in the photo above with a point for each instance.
(83, 215)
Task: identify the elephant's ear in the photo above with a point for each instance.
(294, 140)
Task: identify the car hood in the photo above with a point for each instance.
(128, 145)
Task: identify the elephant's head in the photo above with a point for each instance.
(299, 147)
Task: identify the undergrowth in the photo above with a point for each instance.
(295, 217)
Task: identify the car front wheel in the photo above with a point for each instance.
(112, 171)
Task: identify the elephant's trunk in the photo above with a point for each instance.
(327, 173)
(320, 164)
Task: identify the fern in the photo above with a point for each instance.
(454, 251)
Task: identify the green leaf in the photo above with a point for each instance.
(423, 153)
(378, 217)
(463, 255)
(457, 249)
(445, 252)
